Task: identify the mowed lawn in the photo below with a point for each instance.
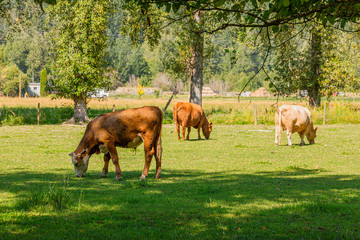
(235, 185)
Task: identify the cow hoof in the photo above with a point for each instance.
(142, 177)
(103, 174)
(118, 178)
(276, 144)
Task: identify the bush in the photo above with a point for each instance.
(9, 80)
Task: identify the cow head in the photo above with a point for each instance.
(80, 162)
(311, 135)
(207, 130)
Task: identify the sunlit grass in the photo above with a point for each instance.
(235, 185)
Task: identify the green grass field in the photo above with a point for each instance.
(235, 185)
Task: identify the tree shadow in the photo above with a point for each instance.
(193, 204)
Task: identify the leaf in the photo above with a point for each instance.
(323, 21)
(219, 3)
(236, 7)
(254, 3)
(286, 3)
(250, 19)
(168, 7)
(275, 28)
(175, 7)
(343, 23)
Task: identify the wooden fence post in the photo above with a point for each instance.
(324, 118)
(255, 115)
(113, 107)
(38, 114)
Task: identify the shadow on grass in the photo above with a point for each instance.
(191, 204)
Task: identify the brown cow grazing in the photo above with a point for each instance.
(293, 119)
(127, 129)
(191, 115)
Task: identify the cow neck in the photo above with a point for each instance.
(84, 144)
(206, 122)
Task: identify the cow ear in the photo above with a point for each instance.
(210, 123)
(316, 129)
(71, 154)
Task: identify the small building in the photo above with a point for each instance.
(33, 89)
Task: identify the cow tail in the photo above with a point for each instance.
(175, 114)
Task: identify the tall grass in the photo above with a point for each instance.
(219, 111)
(56, 197)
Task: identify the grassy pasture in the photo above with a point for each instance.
(228, 111)
(237, 185)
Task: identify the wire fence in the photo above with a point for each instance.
(256, 114)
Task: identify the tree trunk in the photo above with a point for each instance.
(314, 90)
(197, 65)
(80, 112)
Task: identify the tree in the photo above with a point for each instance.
(10, 77)
(43, 82)
(267, 16)
(318, 61)
(26, 43)
(79, 38)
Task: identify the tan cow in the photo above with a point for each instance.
(293, 119)
(128, 129)
(190, 115)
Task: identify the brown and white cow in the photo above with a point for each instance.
(127, 129)
(190, 115)
(293, 119)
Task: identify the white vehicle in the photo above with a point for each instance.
(246, 94)
(100, 93)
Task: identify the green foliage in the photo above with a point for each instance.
(79, 38)
(157, 93)
(130, 60)
(336, 68)
(10, 78)
(26, 42)
(43, 83)
(2, 56)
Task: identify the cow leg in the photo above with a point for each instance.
(188, 135)
(149, 152)
(177, 129)
(183, 131)
(158, 165)
(199, 136)
(288, 133)
(106, 165)
(115, 159)
(302, 135)
(277, 133)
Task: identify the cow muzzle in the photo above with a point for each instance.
(80, 175)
